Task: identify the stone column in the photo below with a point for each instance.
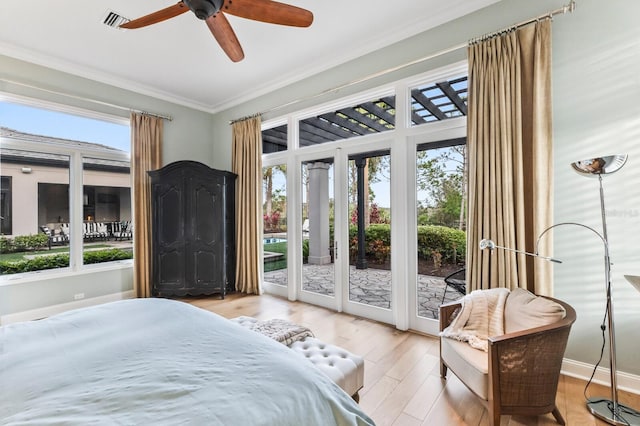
(319, 214)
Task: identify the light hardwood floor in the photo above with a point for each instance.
(402, 385)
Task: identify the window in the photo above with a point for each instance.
(365, 118)
(5, 205)
(274, 139)
(439, 101)
(41, 152)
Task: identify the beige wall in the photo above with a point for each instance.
(24, 194)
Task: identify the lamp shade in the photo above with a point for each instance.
(600, 165)
(634, 280)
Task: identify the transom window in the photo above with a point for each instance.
(439, 101)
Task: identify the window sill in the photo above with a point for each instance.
(15, 279)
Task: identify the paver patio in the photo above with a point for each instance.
(370, 286)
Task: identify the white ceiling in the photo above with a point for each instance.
(179, 60)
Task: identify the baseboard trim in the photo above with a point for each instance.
(35, 314)
(581, 370)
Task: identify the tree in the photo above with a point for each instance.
(441, 174)
(267, 177)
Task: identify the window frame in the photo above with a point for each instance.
(405, 138)
(76, 189)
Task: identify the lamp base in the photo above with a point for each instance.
(603, 409)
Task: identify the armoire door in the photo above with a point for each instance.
(205, 263)
(170, 236)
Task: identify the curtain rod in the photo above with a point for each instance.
(562, 10)
(95, 101)
(246, 117)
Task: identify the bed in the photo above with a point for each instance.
(161, 362)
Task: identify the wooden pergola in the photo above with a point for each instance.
(432, 102)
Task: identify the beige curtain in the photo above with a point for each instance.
(247, 164)
(146, 154)
(510, 158)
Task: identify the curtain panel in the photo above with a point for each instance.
(146, 154)
(247, 164)
(509, 125)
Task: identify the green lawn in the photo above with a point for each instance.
(280, 247)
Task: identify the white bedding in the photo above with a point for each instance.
(159, 362)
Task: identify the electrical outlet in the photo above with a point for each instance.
(78, 296)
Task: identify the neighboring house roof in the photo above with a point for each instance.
(71, 144)
(58, 160)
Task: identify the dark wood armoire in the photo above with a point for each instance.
(193, 230)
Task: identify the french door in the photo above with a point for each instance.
(365, 240)
(316, 270)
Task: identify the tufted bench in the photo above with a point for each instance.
(343, 367)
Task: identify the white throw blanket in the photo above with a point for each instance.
(481, 316)
(280, 330)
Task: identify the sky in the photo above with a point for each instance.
(62, 125)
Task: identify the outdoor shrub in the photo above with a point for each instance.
(377, 242)
(110, 255)
(305, 251)
(37, 264)
(6, 245)
(25, 243)
(380, 232)
(40, 263)
(353, 247)
(378, 250)
(449, 242)
(440, 244)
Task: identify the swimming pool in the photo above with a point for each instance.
(271, 240)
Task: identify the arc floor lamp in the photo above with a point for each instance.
(608, 410)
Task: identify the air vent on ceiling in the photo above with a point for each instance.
(113, 19)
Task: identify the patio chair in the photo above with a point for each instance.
(90, 231)
(123, 230)
(54, 238)
(457, 281)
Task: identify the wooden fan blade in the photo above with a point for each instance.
(155, 17)
(226, 37)
(269, 11)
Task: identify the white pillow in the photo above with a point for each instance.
(524, 310)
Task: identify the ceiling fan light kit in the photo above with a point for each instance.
(213, 13)
(204, 8)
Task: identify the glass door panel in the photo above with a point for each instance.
(369, 198)
(441, 219)
(274, 213)
(318, 272)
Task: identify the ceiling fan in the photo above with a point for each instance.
(213, 13)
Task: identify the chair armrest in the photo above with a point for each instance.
(446, 313)
(524, 366)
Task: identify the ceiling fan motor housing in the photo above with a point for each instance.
(204, 8)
